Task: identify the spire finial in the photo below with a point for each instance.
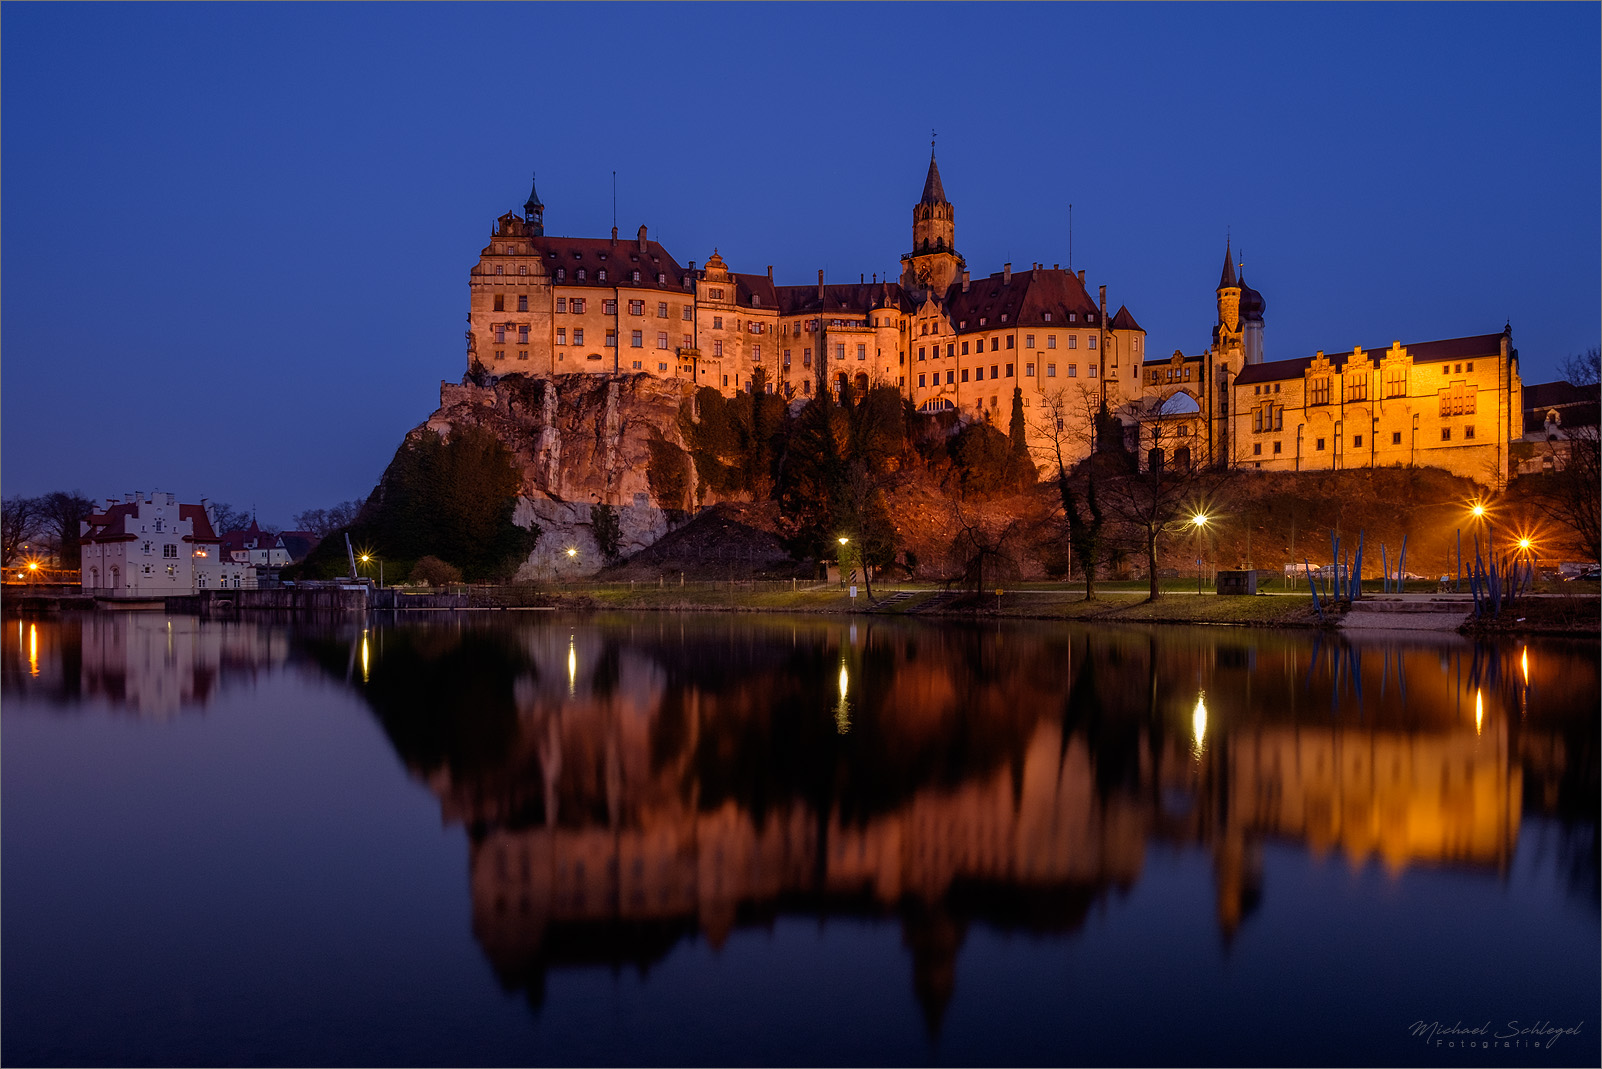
(931, 142)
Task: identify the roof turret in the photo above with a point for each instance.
(1252, 305)
(533, 202)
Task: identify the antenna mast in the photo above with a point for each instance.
(1070, 236)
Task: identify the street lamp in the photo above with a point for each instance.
(1199, 521)
(368, 557)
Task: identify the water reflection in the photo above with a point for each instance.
(627, 785)
(149, 664)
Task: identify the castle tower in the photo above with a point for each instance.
(1228, 303)
(534, 212)
(933, 264)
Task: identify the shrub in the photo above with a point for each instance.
(435, 572)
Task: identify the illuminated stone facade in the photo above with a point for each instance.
(1454, 404)
(545, 306)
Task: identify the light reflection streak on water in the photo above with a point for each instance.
(1479, 711)
(842, 712)
(572, 668)
(33, 649)
(364, 655)
(1198, 724)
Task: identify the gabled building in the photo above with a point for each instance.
(149, 545)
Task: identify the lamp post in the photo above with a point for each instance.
(1199, 521)
(367, 558)
(843, 540)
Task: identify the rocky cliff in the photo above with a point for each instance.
(581, 441)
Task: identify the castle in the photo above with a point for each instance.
(547, 306)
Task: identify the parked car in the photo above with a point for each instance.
(1593, 572)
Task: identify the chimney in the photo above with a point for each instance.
(1081, 276)
(614, 235)
(1006, 272)
(1055, 267)
(965, 282)
(820, 283)
(642, 237)
(770, 274)
(862, 278)
(1034, 272)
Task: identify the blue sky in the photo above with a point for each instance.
(234, 239)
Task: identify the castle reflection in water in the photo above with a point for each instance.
(628, 785)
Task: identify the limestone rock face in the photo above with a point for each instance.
(578, 441)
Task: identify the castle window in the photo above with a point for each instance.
(637, 339)
(1357, 387)
(688, 313)
(636, 365)
(661, 280)
(608, 308)
(1446, 434)
(839, 351)
(580, 275)
(636, 308)
(964, 348)
(611, 339)
(661, 367)
(806, 387)
(862, 352)
(756, 301)
(1090, 317)
(1009, 371)
(577, 304)
(756, 353)
(1468, 432)
(951, 349)
(920, 380)
(921, 352)
(600, 275)
(717, 322)
(1318, 445)
(787, 358)
(500, 302)
(661, 339)
(1073, 341)
(1458, 370)
(1318, 390)
(1276, 447)
(635, 276)
(522, 269)
(806, 357)
(561, 274)
(522, 335)
(1276, 387)
(995, 343)
(661, 310)
(500, 354)
(498, 269)
(1010, 341)
(578, 335)
(561, 335)
(1257, 449)
(1257, 389)
(1029, 341)
(522, 302)
(1051, 371)
(717, 350)
(962, 324)
(714, 294)
(1048, 317)
(1357, 441)
(1396, 380)
(687, 341)
(1469, 366)
(1090, 343)
(951, 377)
(1396, 437)
(522, 354)
(1051, 340)
(1072, 317)
(500, 335)
(1257, 421)
(981, 321)
(1073, 371)
(1003, 317)
(964, 374)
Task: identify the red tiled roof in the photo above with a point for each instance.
(107, 526)
(1024, 300)
(619, 259)
(860, 297)
(1484, 345)
(1122, 320)
(203, 532)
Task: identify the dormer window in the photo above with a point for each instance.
(580, 274)
(600, 275)
(756, 301)
(1090, 317)
(1072, 316)
(561, 274)
(1003, 317)
(1048, 317)
(660, 278)
(962, 324)
(981, 321)
(636, 276)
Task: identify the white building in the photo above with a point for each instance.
(150, 545)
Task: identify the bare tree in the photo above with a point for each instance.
(324, 522)
(1068, 423)
(1583, 369)
(21, 520)
(1162, 498)
(62, 514)
(984, 544)
(1571, 493)
(225, 518)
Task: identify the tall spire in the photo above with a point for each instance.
(933, 191)
(1227, 279)
(533, 210)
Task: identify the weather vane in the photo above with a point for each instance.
(931, 139)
